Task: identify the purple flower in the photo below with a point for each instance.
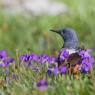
(6, 63)
(10, 60)
(81, 53)
(64, 53)
(25, 57)
(84, 53)
(29, 63)
(91, 59)
(62, 58)
(33, 57)
(7, 72)
(85, 68)
(56, 71)
(4, 60)
(36, 69)
(49, 71)
(51, 60)
(7, 78)
(3, 54)
(42, 84)
(62, 69)
(43, 58)
(89, 50)
(87, 60)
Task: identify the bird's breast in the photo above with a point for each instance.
(71, 51)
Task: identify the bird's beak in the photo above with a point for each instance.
(57, 31)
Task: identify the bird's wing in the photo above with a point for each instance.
(73, 59)
(73, 66)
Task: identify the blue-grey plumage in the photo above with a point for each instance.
(70, 38)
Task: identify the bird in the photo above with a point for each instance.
(71, 43)
(70, 38)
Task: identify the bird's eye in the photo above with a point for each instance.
(62, 33)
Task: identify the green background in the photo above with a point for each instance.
(32, 32)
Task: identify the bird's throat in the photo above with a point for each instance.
(71, 51)
(71, 44)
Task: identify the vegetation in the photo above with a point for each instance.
(29, 33)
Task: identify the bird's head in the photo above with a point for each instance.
(69, 35)
(66, 33)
